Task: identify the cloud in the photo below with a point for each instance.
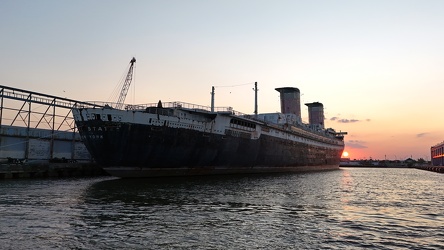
(355, 144)
(347, 121)
(344, 120)
(421, 135)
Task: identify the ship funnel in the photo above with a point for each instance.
(316, 114)
(290, 101)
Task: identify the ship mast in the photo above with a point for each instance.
(126, 85)
(255, 99)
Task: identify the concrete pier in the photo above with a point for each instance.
(438, 169)
(49, 170)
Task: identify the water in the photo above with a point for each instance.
(350, 208)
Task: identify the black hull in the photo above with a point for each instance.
(136, 150)
(132, 172)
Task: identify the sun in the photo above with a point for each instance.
(345, 154)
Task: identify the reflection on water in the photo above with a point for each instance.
(348, 208)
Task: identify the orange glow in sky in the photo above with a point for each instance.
(375, 65)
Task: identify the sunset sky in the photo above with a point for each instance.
(377, 66)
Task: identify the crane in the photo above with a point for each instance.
(126, 85)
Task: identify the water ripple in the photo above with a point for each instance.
(345, 209)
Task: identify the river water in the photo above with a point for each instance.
(350, 208)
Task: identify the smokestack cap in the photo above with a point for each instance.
(287, 90)
(314, 104)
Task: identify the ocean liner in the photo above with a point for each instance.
(177, 138)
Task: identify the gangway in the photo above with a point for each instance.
(30, 98)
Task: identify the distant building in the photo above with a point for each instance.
(437, 154)
(345, 159)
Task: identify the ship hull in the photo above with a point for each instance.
(140, 150)
(132, 172)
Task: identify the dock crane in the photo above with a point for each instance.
(126, 85)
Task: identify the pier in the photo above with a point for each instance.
(438, 169)
(49, 170)
(39, 138)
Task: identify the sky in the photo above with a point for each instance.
(377, 66)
